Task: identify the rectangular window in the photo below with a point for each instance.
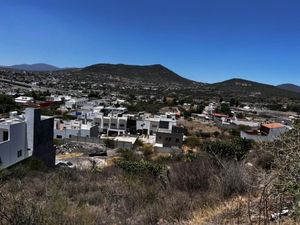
(164, 124)
(59, 136)
(19, 153)
(5, 135)
(177, 140)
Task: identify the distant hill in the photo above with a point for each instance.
(250, 88)
(34, 67)
(289, 87)
(149, 73)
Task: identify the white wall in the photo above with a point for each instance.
(17, 141)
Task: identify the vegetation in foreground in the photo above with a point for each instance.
(135, 191)
(139, 190)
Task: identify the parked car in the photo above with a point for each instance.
(66, 164)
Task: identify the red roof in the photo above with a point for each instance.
(219, 115)
(273, 125)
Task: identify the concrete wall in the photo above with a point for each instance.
(67, 133)
(169, 139)
(32, 137)
(123, 144)
(273, 135)
(17, 142)
(86, 139)
(40, 139)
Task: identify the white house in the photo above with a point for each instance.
(59, 98)
(24, 100)
(67, 129)
(111, 124)
(75, 102)
(13, 142)
(267, 132)
(24, 136)
(150, 125)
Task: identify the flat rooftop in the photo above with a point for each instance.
(273, 125)
(8, 121)
(126, 139)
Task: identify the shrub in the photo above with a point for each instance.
(235, 149)
(147, 151)
(194, 175)
(192, 142)
(235, 179)
(140, 167)
(127, 154)
(265, 160)
(109, 143)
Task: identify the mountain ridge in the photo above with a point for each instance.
(155, 73)
(289, 87)
(159, 74)
(38, 67)
(248, 87)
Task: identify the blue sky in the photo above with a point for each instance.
(204, 40)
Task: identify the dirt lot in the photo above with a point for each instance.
(196, 125)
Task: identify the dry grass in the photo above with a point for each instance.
(112, 196)
(68, 155)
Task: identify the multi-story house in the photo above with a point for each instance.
(66, 129)
(25, 136)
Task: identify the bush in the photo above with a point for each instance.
(147, 151)
(128, 154)
(194, 175)
(235, 179)
(192, 142)
(109, 143)
(234, 149)
(140, 167)
(265, 160)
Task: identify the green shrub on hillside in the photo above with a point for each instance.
(140, 167)
(234, 149)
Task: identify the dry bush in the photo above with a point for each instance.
(194, 175)
(114, 196)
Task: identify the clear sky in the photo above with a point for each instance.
(204, 40)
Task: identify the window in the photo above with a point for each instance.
(122, 125)
(177, 140)
(164, 124)
(113, 124)
(168, 139)
(5, 135)
(19, 153)
(105, 124)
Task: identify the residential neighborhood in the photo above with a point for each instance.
(150, 112)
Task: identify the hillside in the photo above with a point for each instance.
(149, 73)
(290, 87)
(34, 67)
(250, 88)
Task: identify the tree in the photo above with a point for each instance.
(225, 109)
(287, 167)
